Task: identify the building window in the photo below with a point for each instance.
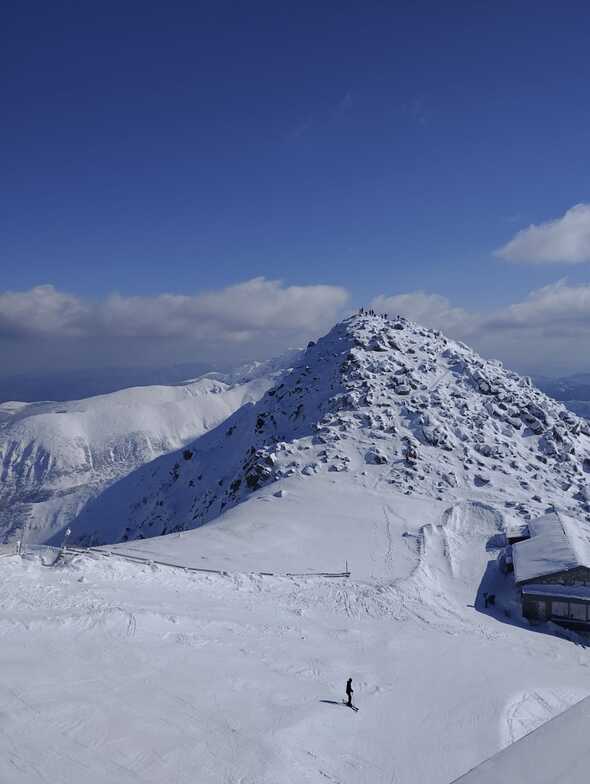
(578, 611)
(560, 609)
(536, 609)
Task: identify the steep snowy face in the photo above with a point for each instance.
(55, 457)
(386, 402)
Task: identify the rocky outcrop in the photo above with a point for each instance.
(386, 399)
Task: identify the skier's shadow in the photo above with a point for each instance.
(332, 702)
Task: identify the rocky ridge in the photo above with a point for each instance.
(387, 402)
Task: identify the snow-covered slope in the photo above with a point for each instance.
(557, 751)
(54, 457)
(387, 446)
(387, 405)
(115, 671)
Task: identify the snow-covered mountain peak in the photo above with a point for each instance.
(384, 403)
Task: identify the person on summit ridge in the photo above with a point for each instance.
(349, 692)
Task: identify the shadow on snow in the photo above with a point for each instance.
(506, 606)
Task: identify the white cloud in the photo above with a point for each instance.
(548, 332)
(429, 309)
(565, 240)
(555, 308)
(41, 310)
(251, 319)
(238, 310)
(44, 328)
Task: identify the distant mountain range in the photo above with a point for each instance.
(55, 457)
(573, 390)
(89, 382)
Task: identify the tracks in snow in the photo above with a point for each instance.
(531, 709)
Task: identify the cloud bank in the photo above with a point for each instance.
(547, 333)
(47, 327)
(44, 330)
(565, 240)
(235, 313)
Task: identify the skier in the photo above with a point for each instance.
(349, 691)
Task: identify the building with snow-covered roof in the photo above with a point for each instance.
(557, 551)
(516, 533)
(553, 569)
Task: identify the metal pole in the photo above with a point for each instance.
(67, 533)
(23, 538)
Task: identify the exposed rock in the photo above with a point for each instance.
(375, 457)
(310, 469)
(443, 417)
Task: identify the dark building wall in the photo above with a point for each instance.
(535, 608)
(540, 608)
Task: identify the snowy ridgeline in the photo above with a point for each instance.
(390, 404)
(55, 457)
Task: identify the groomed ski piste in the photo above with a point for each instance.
(135, 671)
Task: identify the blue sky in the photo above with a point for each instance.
(379, 147)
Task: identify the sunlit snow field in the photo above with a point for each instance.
(123, 672)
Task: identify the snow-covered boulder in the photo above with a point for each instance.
(375, 456)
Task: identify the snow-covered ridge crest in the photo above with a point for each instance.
(55, 457)
(386, 401)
